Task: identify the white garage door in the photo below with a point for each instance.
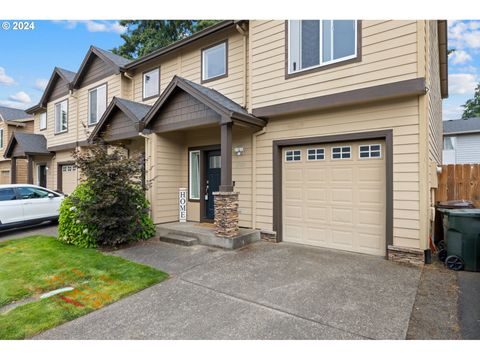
(334, 196)
(69, 178)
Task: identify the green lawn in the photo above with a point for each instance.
(38, 264)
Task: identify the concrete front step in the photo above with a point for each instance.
(206, 235)
(179, 239)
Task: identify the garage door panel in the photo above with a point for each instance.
(342, 174)
(335, 203)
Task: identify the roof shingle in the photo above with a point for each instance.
(9, 114)
(471, 125)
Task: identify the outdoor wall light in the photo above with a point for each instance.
(239, 150)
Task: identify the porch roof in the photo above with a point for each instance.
(228, 109)
(23, 144)
(132, 110)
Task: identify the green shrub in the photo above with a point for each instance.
(70, 229)
(110, 208)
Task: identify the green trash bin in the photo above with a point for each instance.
(462, 234)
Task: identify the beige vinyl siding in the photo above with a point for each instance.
(113, 89)
(6, 138)
(5, 176)
(71, 134)
(187, 63)
(402, 116)
(389, 54)
(435, 125)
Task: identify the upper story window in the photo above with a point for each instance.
(449, 142)
(97, 103)
(61, 117)
(316, 43)
(214, 62)
(1, 138)
(43, 121)
(151, 83)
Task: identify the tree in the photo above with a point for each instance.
(144, 36)
(472, 106)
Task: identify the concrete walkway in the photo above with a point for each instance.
(264, 291)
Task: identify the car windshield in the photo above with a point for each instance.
(32, 193)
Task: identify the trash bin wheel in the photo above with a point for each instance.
(454, 262)
(441, 245)
(442, 255)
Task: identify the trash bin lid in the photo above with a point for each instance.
(455, 204)
(462, 212)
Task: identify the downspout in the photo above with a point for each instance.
(254, 176)
(244, 33)
(149, 166)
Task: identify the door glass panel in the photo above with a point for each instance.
(214, 162)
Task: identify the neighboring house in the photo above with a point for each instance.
(461, 141)
(13, 121)
(328, 133)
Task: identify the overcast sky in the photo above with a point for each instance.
(29, 56)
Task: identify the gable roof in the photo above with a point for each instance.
(133, 110)
(11, 114)
(468, 126)
(58, 73)
(30, 144)
(177, 44)
(116, 62)
(209, 97)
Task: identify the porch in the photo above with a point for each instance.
(192, 233)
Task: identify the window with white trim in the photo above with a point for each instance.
(97, 103)
(194, 175)
(449, 142)
(293, 155)
(370, 151)
(61, 117)
(1, 138)
(214, 61)
(151, 83)
(316, 154)
(315, 43)
(43, 120)
(341, 152)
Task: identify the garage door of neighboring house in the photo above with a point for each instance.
(334, 196)
(69, 178)
(5, 177)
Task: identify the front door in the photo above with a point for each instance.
(212, 181)
(42, 175)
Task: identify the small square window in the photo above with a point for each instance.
(316, 154)
(341, 152)
(370, 151)
(293, 155)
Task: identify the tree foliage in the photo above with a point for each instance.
(144, 36)
(110, 207)
(472, 107)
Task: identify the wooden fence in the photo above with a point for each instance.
(459, 182)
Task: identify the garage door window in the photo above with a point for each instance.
(68, 168)
(293, 155)
(316, 154)
(341, 152)
(370, 151)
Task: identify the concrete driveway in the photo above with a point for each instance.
(47, 228)
(264, 291)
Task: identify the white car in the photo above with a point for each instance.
(25, 204)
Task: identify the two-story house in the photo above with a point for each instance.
(319, 132)
(13, 121)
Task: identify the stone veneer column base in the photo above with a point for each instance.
(406, 255)
(226, 214)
